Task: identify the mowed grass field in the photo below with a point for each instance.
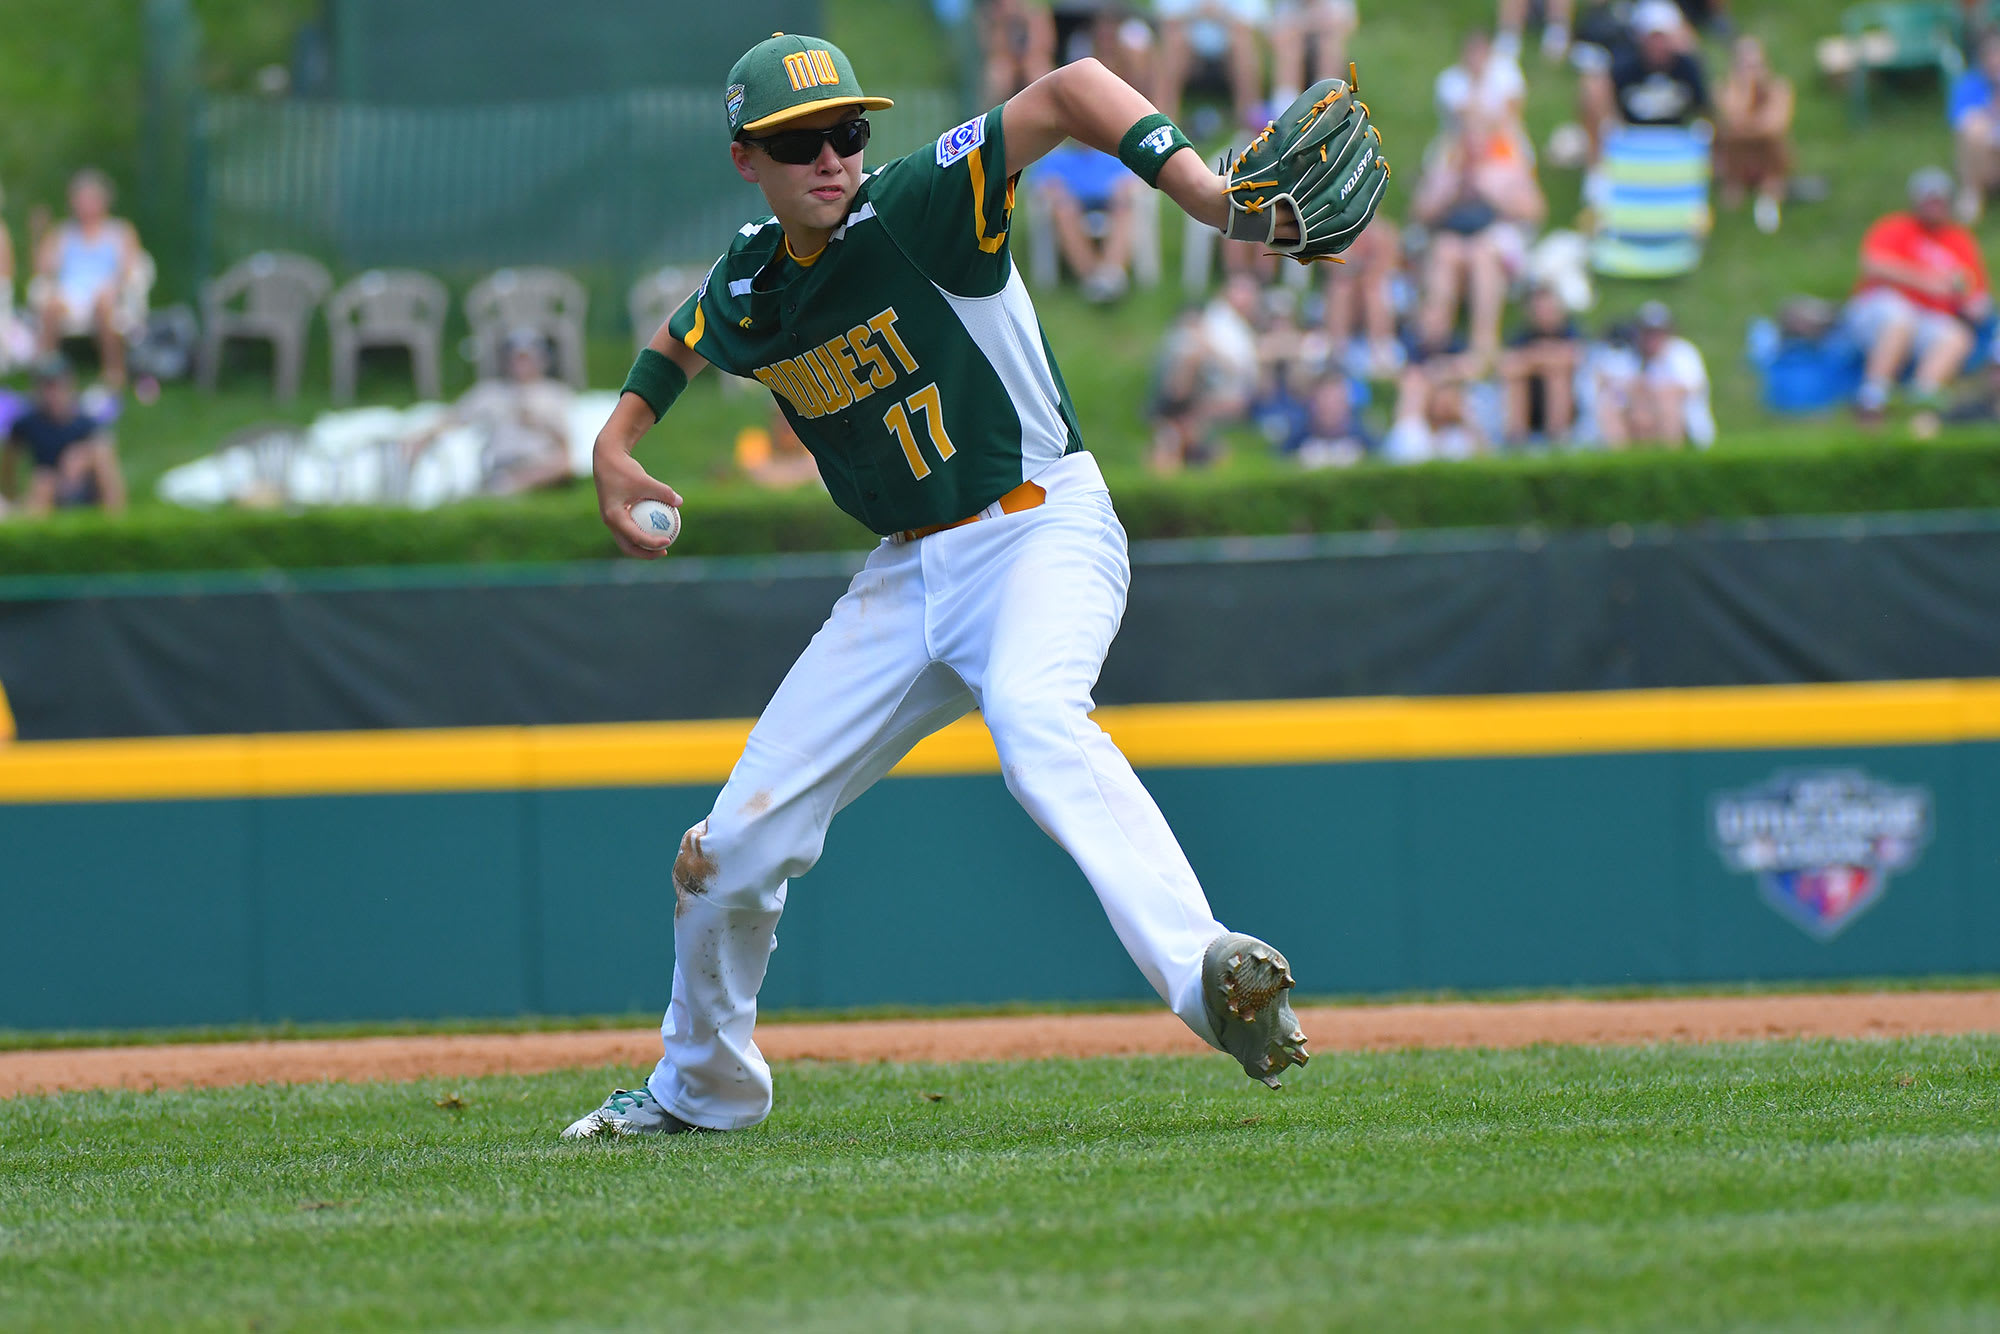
(1813, 1185)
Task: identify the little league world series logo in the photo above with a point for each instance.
(1823, 843)
(956, 142)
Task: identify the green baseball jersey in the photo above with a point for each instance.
(907, 353)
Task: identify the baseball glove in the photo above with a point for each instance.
(1323, 158)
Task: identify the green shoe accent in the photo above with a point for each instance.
(1243, 985)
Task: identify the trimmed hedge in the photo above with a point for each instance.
(1574, 491)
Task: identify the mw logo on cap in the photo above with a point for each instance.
(810, 69)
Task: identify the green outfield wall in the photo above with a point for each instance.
(1463, 760)
(1534, 842)
(1889, 597)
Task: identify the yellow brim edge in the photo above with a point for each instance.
(807, 108)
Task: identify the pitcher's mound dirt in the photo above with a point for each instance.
(1019, 1038)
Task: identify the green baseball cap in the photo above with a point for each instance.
(784, 77)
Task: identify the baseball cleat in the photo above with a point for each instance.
(1243, 985)
(629, 1112)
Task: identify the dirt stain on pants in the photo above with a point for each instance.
(693, 868)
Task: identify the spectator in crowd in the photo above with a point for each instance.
(1754, 133)
(1922, 290)
(775, 458)
(1331, 434)
(1218, 32)
(1485, 83)
(1480, 200)
(523, 420)
(1558, 16)
(1291, 359)
(1092, 201)
(1283, 345)
(88, 266)
(72, 458)
(1114, 31)
(1433, 420)
(1658, 80)
(1309, 43)
(1019, 41)
(1184, 409)
(1662, 395)
(1538, 371)
(1975, 125)
(1234, 326)
(1206, 376)
(1361, 301)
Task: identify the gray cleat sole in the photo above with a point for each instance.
(1244, 982)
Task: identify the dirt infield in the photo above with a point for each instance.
(1342, 1028)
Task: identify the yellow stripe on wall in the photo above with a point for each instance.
(485, 759)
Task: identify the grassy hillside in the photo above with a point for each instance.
(84, 106)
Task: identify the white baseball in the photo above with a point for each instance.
(660, 522)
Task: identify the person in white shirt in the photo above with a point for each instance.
(1483, 79)
(522, 418)
(1206, 376)
(1433, 417)
(1481, 203)
(1664, 396)
(1229, 325)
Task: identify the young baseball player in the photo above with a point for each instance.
(884, 313)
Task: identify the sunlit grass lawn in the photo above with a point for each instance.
(1783, 1185)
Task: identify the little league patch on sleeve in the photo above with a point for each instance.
(956, 143)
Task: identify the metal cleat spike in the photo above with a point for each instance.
(1244, 980)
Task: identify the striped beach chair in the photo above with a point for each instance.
(1650, 202)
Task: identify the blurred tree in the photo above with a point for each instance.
(74, 86)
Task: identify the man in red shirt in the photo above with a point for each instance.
(1923, 288)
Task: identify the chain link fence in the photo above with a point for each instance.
(616, 183)
(454, 139)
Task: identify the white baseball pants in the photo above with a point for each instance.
(1010, 615)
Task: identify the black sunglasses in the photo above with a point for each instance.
(799, 147)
